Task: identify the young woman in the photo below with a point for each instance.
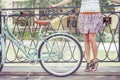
(90, 22)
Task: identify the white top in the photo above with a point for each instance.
(90, 6)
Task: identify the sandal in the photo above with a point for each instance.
(88, 67)
(94, 66)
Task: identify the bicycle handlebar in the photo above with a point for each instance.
(25, 13)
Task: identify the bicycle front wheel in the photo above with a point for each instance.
(68, 58)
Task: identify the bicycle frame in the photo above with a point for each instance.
(7, 32)
(60, 54)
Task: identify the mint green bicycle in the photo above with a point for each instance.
(60, 54)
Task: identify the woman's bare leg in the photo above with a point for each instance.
(87, 46)
(92, 37)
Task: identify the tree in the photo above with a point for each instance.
(104, 6)
(45, 3)
(77, 2)
(0, 3)
(39, 3)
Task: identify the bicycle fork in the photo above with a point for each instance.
(3, 50)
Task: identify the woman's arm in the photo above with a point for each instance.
(116, 1)
(63, 2)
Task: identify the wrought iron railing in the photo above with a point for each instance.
(63, 18)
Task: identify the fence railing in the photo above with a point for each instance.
(63, 18)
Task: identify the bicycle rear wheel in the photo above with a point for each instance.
(68, 55)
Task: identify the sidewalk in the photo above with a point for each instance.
(22, 69)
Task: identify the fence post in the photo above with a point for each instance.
(119, 40)
(0, 21)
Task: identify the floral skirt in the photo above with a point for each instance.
(90, 23)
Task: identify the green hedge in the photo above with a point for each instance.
(105, 37)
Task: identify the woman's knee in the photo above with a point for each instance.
(86, 39)
(92, 39)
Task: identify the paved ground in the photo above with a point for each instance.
(106, 71)
(60, 78)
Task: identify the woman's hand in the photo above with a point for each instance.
(63, 2)
(115, 1)
(52, 5)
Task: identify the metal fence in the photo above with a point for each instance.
(63, 18)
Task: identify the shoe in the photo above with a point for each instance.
(88, 66)
(94, 66)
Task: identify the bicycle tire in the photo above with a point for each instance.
(65, 64)
(1, 65)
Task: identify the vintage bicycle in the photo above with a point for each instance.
(60, 54)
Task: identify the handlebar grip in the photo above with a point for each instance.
(25, 13)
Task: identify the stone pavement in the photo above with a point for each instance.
(19, 71)
(60, 78)
(22, 69)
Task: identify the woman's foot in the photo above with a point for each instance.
(88, 66)
(94, 66)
